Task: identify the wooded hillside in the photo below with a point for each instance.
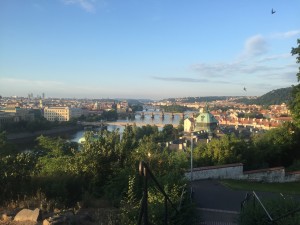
(275, 97)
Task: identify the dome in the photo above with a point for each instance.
(206, 121)
(206, 118)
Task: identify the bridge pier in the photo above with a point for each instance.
(131, 116)
(152, 116)
(182, 116)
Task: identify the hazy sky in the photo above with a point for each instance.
(147, 48)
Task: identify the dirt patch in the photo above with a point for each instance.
(19, 223)
(90, 216)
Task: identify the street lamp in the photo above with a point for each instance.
(149, 157)
(192, 145)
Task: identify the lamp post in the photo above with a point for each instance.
(149, 158)
(192, 146)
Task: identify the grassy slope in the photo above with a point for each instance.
(286, 188)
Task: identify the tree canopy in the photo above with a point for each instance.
(296, 51)
(295, 101)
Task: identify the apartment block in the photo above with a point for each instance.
(62, 113)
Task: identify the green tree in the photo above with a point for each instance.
(227, 149)
(98, 158)
(145, 131)
(168, 168)
(279, 146)
(169, 133)
(296, 51)
(126, 145)
(111, 115)
(3, 140)
(6, 148)
(15, 174)
(52, 146)
(274, 97)
(54, 155)
(295, 101)
(136, 107)
(130, 204)
(174, 108)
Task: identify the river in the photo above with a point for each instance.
(157, 120)
(75, 136)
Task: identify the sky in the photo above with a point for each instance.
(151, 49)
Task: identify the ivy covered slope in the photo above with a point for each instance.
(275, 97)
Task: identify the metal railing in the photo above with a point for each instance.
(145, 172)
(253, 196)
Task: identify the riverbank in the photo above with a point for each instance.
(16, 137)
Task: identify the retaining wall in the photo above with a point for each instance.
(276, 174)
(229, 171)
(235, 171)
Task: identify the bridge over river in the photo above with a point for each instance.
(162, 114)
(119, 123)
(143, 118)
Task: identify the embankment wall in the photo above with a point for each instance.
(235, 171)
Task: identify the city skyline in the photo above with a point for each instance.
(147, 49)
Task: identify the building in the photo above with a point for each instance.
(122, 107)
(189, 124)
(19, 113)
(62, 113)
(205, 121)
(15, 114)
(6, 118)
(76, 112)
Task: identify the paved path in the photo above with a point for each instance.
(216, 217)
(219, 205)
(213, 195)
(216, 204)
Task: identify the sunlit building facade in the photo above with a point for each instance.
(62, 113)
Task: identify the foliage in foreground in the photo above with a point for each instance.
(66, 173)
(253, 213)
(130, 205)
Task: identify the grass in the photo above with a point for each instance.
(285, 188)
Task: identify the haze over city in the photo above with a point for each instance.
(146, 49)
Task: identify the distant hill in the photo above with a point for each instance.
(134, 101)
(198, 99)
(275, 97)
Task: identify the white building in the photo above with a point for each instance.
(62, 113)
